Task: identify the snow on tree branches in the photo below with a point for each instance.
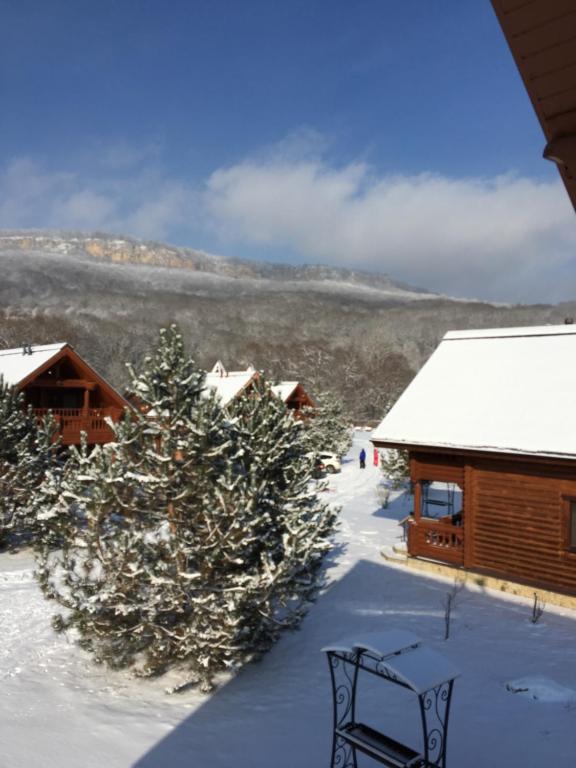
(25, 454)
(195, 537)
(328, 429)
(395, 466)
(283, 527)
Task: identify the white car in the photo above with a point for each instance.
(331, 462)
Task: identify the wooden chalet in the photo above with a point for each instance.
(295, 398)
(55, 378)
(229, 385)
(490, 427)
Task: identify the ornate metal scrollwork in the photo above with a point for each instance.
(382, 669)
(435, 709)
(343, 754)
(344, 675)
(349, 736)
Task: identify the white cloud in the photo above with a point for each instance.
(507, 238)
(144, 202)
(121, 155)
(501, 238)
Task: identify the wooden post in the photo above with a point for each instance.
(417, 501)
(86, 402)
(468, 516)
(415, 478)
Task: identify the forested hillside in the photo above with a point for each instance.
(361, 335)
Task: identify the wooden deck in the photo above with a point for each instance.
(73, 421)
(436, 540)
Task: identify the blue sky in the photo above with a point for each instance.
(384, 134)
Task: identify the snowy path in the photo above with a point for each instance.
(59, 711)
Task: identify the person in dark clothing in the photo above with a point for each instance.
(362, 459)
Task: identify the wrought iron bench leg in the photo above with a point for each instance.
(343, 754)
(344, 676)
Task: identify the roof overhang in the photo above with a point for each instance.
(474, 452)
(66, 351)
(542, 38)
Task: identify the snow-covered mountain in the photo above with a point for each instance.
(193, 265)
(358, 333)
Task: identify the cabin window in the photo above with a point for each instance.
(441, 501)
(65, 398)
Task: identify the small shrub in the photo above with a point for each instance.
(538, 607)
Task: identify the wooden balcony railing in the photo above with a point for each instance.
(73, 421)
(437, 540)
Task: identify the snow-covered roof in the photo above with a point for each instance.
(228, 385)
(284, 389)
(510, 390)
(219, 368)
(20, 363)
(405, 658)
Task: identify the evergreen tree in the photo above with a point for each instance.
(169, 383)
(328, 427)
(26, 452)
(395, 466)
(194, 537)
(283, 529)
(128, 516)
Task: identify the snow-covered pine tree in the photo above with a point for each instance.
(169, 383)
(328, 427)
(395, 466)
(177, 546)
(130, 516)
(26, 452)
(129, 519)
(278, 529)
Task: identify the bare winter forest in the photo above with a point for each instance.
(360, 335)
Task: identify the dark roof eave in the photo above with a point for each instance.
(477, 451)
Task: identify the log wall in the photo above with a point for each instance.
(514, 516)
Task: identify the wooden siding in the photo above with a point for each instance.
(441, 467)
(515, 518)
(518, 526)
(66, 374)
(300, 404)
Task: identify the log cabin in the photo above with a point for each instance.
(489, 424)
(53, 377)
(229, 385)
(295, 398)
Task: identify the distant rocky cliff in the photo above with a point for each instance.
(124, 250)
(362, 335)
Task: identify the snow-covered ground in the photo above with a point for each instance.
(57, 710)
